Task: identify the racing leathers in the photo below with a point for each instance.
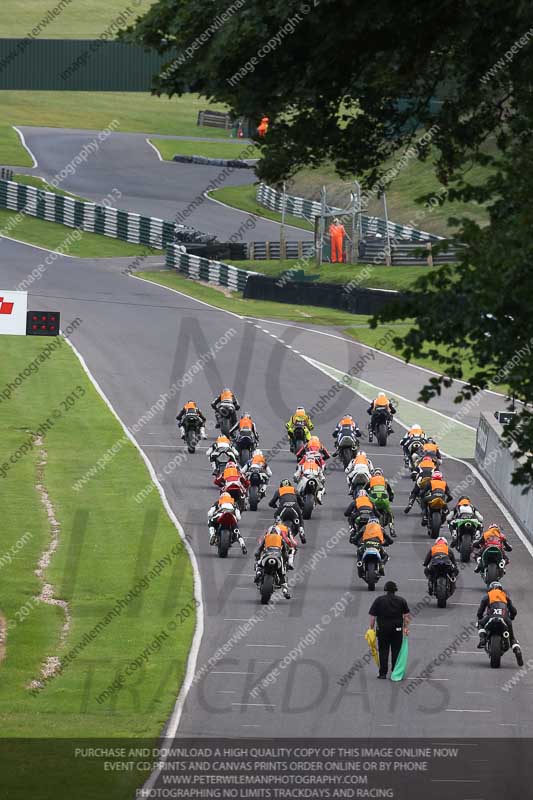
(496, 601)
(289, 506)
(221, 445)
(191, 409)
(492, 537)
(273, 541)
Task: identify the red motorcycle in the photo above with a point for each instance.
(226, 532)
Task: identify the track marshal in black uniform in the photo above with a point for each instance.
(389, 616)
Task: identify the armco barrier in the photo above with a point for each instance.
(497, 463)
(206, 270)
(356, 300)
(308, 209)
(96, 218)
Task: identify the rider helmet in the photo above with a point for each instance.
(437, 475)
(441, 540)
(378, 471)
(225, 497)
(285, 482)
(362, 493)
(495, 585)
(257, 453)
(300, 410)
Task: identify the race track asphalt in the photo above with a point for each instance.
(163, 189)
(137, 339)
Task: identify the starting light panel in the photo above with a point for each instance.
(42, 323)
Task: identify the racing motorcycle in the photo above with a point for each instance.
(308, 487)
(441, 583)
(299, 437)
(221, 462)
(498, 640)
(466, 528)
(270, 568)
(370, 566)
(226, 416)
(290, 517)
(244, 444)
(258, 483)
(436, 509)
(226, 532)
(347, 447)
(191, 425)
(492, 564)
(359, 481)
(379, 425)
(412, 457)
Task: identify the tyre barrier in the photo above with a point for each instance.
(94, 218)
(236, 163)
(357, 300)
(205, 269)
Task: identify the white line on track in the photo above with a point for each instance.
(428, 625)
(464, 604)
(25, 146)
(267, 645)
(261, 705)
(470, 710)
(222, 672)
(160, 157)
(367, 347)
(172, 725)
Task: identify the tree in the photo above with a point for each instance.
(352, 83)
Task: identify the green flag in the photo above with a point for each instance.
(400, 667)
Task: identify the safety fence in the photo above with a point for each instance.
(497, 463)
(262, 251)
(94, 218)
(214, 119)
(374, 250)
(308, 209)
(205, 269)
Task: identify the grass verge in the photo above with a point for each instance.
(41, 183)
(376, 276)
(71, 241)
(12, 153)
(231, 149)
(233, 301)
(108, 544)
(243, 197)
(75, 21)
(135, 112)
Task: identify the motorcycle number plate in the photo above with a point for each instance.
(498, 612)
